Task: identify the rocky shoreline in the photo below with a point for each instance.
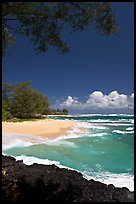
(48, 183)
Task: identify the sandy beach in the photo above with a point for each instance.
(49, 128)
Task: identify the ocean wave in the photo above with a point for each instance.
(118, 180)
(132, 121)
(99, 127)
(86, 134)
(108, 121)
(100, 134)
(93, 114)
(129, 128)
(123, 132)
(119, 124)
(102, 126)
(29, 160)
(61, 141)
(10, 140)
(89, 125)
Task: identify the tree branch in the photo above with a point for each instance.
(11, 19)
(6, 25)
(12, 9)
(94, 19)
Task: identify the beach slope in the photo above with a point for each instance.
(49, 128)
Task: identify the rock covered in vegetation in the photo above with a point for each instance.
(40, 184)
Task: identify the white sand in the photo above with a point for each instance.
(49, 127)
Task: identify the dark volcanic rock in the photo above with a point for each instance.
(40, 184)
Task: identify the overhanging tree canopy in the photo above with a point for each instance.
(44, 22)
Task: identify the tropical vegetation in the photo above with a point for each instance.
(44, 23)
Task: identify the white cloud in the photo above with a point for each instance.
(117, 100)
(70, 102)
(131, 101)
(132, 96)
(97, 100)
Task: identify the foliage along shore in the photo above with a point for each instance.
(31, 119)
(21, 102)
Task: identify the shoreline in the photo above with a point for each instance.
(17, 185)
(16, 140)
(49, 128)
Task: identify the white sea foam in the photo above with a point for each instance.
(99, 127)
(118, 180)
(76, 131)
(109, 121)
(87, 134)
(10, 140)
(119, 124)
(61, 141)
(121, 114)
(20, 140)
(132, 121)
(29, 160)
(123, 132)
(104, 124)
(98, 134)
(94, 114)
(69, 136)
(129, 128)
(89, 125)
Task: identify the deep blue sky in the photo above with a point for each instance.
(94, 63)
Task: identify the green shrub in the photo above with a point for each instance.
(6, 115)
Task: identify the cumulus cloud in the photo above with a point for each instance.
(97, 100)
(131, 101)
(70, 102)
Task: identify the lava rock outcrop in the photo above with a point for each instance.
(48, 183)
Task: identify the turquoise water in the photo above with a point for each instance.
(104, 151)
